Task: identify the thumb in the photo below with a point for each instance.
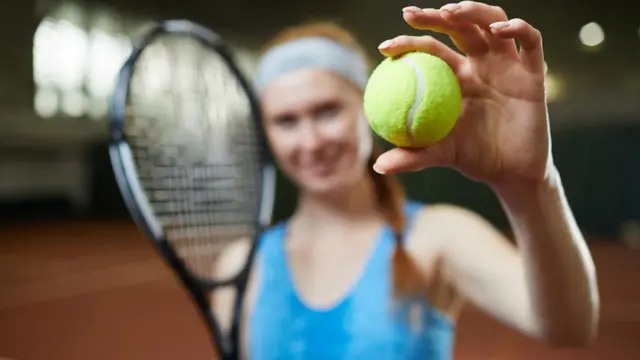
(408, 160)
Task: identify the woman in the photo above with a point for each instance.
(321, 288)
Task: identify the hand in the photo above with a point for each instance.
(502, 135)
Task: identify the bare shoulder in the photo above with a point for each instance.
(451, 227)
(450, 214)
(445, 218)
(453, 246)
(437, 241)
(228, 264)
(232, 258)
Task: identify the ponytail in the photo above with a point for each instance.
(405, 274)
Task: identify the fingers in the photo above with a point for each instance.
(408, 160)
(466, 36)
(529, 38)
(427, 44)
(477, 28)
(483, 16)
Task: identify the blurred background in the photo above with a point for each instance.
(77, 280)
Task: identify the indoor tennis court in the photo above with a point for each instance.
(78, 281)
(96, 290)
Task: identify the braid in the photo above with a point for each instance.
(390, 196)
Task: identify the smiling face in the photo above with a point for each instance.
(313, 121)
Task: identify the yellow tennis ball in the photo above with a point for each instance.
(413, 100)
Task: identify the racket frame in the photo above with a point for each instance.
(227, 347)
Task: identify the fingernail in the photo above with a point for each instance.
(499, 25)
(411, 9)
(385, 44)
(377, 169)
(451, 7)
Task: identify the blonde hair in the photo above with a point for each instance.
(390, 196)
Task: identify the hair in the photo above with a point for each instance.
(390, 196)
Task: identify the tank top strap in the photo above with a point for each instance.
(271, 244)
(411, 210)
(378, 263)
(270, 255)
(271, 247)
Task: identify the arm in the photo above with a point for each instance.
(546, 287)
(556, 259)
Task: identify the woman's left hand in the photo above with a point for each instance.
(502, 136)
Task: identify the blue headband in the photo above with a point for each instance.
(311, 52)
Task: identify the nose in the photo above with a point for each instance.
(310, 138)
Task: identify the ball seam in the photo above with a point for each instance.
(416, 100)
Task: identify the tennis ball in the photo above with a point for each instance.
(413, 100)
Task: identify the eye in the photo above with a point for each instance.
(286, 121)
(328, 111)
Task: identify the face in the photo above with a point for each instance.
(316, 130)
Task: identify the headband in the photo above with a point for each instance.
(311, 52)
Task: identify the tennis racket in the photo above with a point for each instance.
(190, 160)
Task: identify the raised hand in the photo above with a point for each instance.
(502, 135)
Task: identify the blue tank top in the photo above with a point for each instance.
(363, 325)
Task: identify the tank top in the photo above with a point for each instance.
(366, 324)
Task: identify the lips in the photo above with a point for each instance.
(319, 170)
(324, 163)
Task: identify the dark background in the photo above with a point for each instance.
(595, 121)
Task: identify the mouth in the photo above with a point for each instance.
(319, 169)
(323, 164)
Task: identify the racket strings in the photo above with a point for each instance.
(195, 149)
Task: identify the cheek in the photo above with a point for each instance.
(283, 149)
(341, 131)
(278, 144)
(351, 143)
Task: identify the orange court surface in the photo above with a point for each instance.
(97, 290)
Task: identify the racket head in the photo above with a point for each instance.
(252, 182)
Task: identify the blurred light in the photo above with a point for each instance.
(98, 109)
(69, 58)
(77, 56)
(107, 53)
(73, 103)
(546, 68)
(75, 69)
(46, 102)
(44, 70)
(554, 87)
(59, 56)
(591, 34)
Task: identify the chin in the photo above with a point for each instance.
(328, 184)
(321, 189)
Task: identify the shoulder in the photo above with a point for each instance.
(234, 256)
(441, 211)
(435, 216)
(449, 214)
(458, 236)
(448, 226)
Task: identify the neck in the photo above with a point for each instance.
(356, 201)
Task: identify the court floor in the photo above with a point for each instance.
(96, 290)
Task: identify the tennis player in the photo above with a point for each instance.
(330, 283)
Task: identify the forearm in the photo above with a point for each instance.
(558, 265)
